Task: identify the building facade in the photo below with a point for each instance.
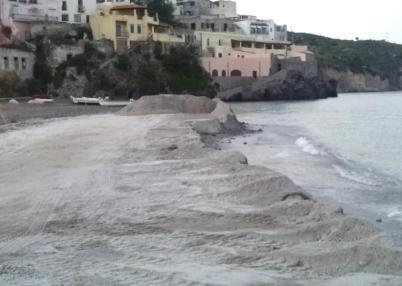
(126, 24)
(78, 11)
(263, 29)
(220, 8)
(18, 16)
(228, 62)
(17, 60)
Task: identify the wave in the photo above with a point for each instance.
(344, 168)
(364, 178)
(308, 147)
(395, 213)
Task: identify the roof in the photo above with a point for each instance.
(127, 6)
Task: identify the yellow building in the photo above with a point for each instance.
(126, 24)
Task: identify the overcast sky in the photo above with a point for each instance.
(344, 19)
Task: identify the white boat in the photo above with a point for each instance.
(107, 102)
(85, 100)
(40, 101)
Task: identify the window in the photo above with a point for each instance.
(132, 28)
(254, 74)
(139, 28)
(193, 26)
(208, 42)
(225, 27)
(215, 73)
(220, 43)
(64, 6)
(23, 63)
(64, 17)
(77, 18)
(6, 63)
(223, 73)
(16, 63)
(220, 55)
(69, 57)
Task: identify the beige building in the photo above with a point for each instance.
(18, 60)
(126, 24)
(235, 55)
(209, 41)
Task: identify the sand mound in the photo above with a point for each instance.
(221, 118)
(170, 104)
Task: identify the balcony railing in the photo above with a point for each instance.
(33, 17)
(32, 14)
(121, 34)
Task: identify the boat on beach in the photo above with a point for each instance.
(99, 101)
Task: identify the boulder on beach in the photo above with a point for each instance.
(220, 117)
(13, 101)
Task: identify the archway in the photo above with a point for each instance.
(235, 73)
(215, 73)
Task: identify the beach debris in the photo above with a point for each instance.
(40, 101)
(13, 101)
(172, 148)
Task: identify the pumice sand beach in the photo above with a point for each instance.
(138, 198)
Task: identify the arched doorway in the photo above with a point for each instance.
(223, 73)
(215, 73)
(235, 73)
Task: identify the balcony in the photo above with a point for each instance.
(121, 34)
(24, 14)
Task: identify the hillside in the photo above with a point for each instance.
(362, 56)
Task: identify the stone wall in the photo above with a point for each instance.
(309, 69)
(62, 53)
(226, 83)
(352, 82)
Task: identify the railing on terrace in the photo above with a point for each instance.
(33, 17)
(121, 34)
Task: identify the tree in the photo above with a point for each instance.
(8, 82)
(163, 8)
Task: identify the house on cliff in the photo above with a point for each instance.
(128, 24)
(18, 59)
(235, 45)
(18, 17)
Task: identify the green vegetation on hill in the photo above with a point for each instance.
(361, 56)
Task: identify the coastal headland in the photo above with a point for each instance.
(142, 198)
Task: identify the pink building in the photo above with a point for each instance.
(18, 16)
(236, 62)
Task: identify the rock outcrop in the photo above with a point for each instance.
(356, 82)
(284, 85)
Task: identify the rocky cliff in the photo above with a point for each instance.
(284, 85)
(360, 65)
(356, 82)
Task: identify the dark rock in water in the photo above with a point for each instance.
(285, 85)
(379, 220)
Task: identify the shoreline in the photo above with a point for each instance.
(249, 223)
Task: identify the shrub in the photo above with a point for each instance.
(122, 63)
(184, 71)
(8, 83)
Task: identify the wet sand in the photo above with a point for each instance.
(140, 200)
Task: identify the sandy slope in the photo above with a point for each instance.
(113, 200)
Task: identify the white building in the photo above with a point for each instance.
(19, 61)
(264, 30)
(220, 8)
(17, 16)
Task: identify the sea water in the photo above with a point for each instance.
(345, 150)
